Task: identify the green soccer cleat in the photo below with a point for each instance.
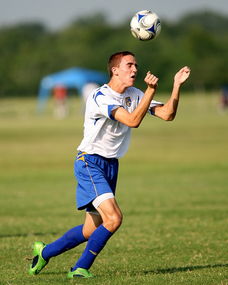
(38, 262)
(79, 272)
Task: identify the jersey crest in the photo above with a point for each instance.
(128, 101)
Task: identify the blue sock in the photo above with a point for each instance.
(95, 244)
(69, 240)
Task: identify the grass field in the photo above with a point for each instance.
(172, 188)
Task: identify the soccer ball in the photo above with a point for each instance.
(145, 25)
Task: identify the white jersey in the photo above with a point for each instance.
(104, 135)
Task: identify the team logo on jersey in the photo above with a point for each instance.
(128, 101)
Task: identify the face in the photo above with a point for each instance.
(127, 70)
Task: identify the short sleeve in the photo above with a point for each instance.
(106, 104)
(154, 104)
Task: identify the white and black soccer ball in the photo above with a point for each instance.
(145, 25)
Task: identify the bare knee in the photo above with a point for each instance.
(113, 222)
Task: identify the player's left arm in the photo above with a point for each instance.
(168, 111)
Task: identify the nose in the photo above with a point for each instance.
(135, 68)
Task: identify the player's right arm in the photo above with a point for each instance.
(134, 119)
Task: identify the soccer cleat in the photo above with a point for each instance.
(38, 262)
(79, 272)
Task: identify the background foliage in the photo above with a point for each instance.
(30, 51)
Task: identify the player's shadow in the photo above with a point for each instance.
(25, 235)
(182, 269)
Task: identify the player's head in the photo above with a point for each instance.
(115, 60)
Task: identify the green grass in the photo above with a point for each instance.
(172, 190)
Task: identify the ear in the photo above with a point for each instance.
(114, 70)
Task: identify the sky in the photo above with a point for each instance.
(56, 14)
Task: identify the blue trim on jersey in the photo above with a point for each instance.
(151, 112)
(110, 109)
(95, 121)
(96, 95)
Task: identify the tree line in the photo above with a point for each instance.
(30, 51)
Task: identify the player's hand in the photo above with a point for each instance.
(151, 80)
(182, 75)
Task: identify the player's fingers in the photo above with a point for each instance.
(150, 76)
(185, 69)
(153, 79)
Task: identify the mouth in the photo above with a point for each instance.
(133, 76)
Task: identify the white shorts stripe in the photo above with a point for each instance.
(97, 201)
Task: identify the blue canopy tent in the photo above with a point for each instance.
(69, 78)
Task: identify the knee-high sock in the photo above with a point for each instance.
(95, 244)
(69, 240)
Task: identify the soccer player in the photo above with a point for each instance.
(111, 111)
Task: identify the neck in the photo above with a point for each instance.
(117, 86)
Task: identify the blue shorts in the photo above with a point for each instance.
(96, 175)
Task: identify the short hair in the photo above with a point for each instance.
(114, 60)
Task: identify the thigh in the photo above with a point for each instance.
(108, 208)
(92, 221)
(110, 214)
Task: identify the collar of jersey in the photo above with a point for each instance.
(120, 95)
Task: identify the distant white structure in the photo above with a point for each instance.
(87, 89)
